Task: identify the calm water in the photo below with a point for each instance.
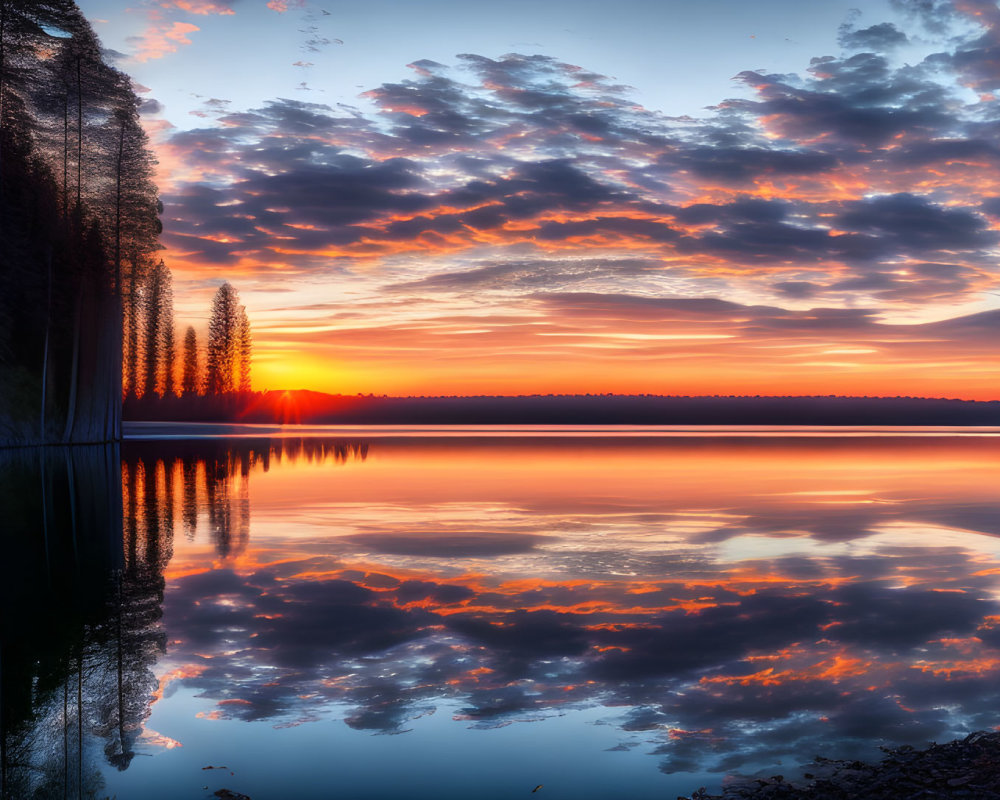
(453, 617)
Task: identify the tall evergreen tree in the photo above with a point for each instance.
(168, 346)
(22, 38)
(154, 302)
(132, 324)
(75, 194)
(244, 347)
(223, 339)
(191, 376)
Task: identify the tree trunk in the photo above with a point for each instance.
(114, 365)
(65, 186)
(118, 211)
(79, 131)
(3, 85)
(133, 329)
(3, 89)
(74, 370)
(45, 354)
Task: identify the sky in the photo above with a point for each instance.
(666, 197)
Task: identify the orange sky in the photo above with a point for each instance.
(519, 224)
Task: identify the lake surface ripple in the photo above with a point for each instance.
(421, 616)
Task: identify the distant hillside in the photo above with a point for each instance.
(316, 408)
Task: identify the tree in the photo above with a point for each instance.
(244, 350)
(134, 223)
(158, 318)
(152, 307)
(191, 378)
(168, 347)
(132, 325)
(223, 339)
(76, 194)
(22, 38)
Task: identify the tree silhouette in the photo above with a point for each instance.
(157, 305)
(76, 195)
(223, 340)
(168, 346)
(191, 378)
(244, 350)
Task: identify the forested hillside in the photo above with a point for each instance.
(78, 225)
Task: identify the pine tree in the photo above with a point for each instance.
(223, 340)
(191, 378)
(154, 302)
(168, 346)
(167, 386)
(75, 195)
(244, 351)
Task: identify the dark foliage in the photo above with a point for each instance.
(75, 193)
(315, 408)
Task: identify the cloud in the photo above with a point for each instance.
(742, 666)
(281, 6)
(201, 7)
(162, 37)
(935, 15)
(576, 181)
(150, 106)
(876, 38)
(832, 595)
(164, 34)
(906, 221)
(446, 544)
(551, 274)
(742, 165)
(474, 187)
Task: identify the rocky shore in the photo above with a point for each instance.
(965, 768)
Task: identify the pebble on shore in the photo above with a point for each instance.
(966, 768)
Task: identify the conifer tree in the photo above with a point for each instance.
(223, 339)
(153, 303)
(244, 351)
(191, 377)
(75, 195)
(168, 346)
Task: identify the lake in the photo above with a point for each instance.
(404, 613)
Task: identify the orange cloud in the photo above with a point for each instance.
(161, 38)
(201, 7)
(281, 6)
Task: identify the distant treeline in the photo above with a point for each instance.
(317, 409)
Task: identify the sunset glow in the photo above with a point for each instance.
(514, 220)
(755, 593)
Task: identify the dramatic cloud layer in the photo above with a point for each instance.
(448, 213)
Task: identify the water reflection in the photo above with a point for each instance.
(729, 604)
(79, 637)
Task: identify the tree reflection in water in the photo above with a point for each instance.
(61, 628)
(86, 538)
(727, 604)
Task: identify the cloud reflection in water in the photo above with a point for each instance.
(733, 601)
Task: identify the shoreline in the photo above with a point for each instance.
(963, 768)
(135, 431)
